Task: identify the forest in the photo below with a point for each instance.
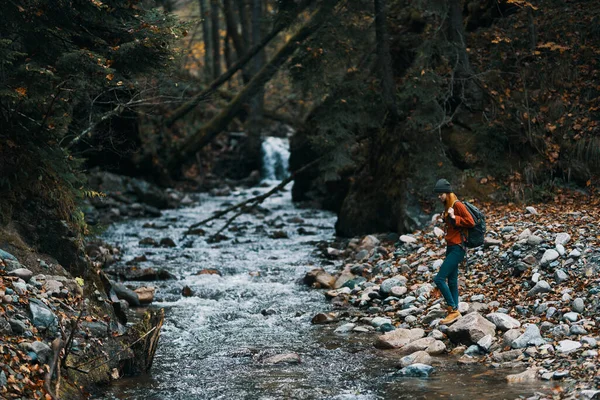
(123, 117)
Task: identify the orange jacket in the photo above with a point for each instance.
(462, 220)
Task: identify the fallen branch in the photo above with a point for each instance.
(57, 345)
(255, 200)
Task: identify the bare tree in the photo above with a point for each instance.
(216, 42)
(388, 86)
(206, 37)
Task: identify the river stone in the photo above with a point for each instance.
(531, 337)
(562, 238)
(398, 338)
(5, 327)
(575, 253)
(387, 285)
(42, 350)
(438, 232)
(127, 294)
(20, 288)
(7, 256)
(407, 239)
(577, 330)
(418, 357)
(41, 315)
(578, 305)
(345, 328)
(416, 370)
(561, 249)
(567, 346)
(560, 276)
(524, 235)
(540, 287)
(504, 322)
(430, 345)
(485, 342)
(17, 326)
(22, 273)
(571, 316)
(145, 294)
(398, 291)
(534, 240)
(470, 329)
(345, 276)
(433, 315)
(289, 358)
(549, 256)
(590, 341)
(531, 210)
(506, 355)
(529, 375)
(378, 321)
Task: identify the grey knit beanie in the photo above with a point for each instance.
(442, 186)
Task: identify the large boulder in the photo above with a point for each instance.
(470, 328)
(427, 344)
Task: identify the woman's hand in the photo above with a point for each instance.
(451, 212)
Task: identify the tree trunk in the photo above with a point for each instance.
(216, 42)
(465, 87)
(208, 132)
(232, 31)
(257, 103)
(244, 21)
(204, 12)
(214, 85)
(388, 87)
(531, 29)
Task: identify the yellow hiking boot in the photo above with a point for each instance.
(452, 316)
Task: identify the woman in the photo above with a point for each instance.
(457, 218)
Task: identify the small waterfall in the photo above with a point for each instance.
(275, 158)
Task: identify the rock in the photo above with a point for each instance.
(428, 344)
(345, 276)
(97, 329)
(418, 357)
(561, 249)
(485, 342)
(562, 238)
(529, 375)
(20, 288)
(549, 256)
(407, 239)
(148, 241)
(17, 326)
(540, 287)
(438, 232)
(504, 322)
(319, 278)
(3, 380)
(506, 355)
(289, 358)
(345, 328)
(571, 316)
(578, 305)
(531, 210)
(433, 315)
(567, 346)
(167, 242)
(524, 235)
(590, 341)
(589, 394)
(387, 285)
(378, 321)
(489, 242)
(148, 274)
(574, 254)
(5, 327)
(398, 338)
(41, 315)
(7, 256)
(186, 291)
(22, 273)
(534, 240)
(470, 329)
(42, 350)
(145, 294)
(560, 276)
(531, 337)
(416, 370)
(127, 294)
(398, 291)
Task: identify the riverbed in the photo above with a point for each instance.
(216, 344)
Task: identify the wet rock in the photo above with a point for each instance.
(22, 273)
(529, 375)
(187, 291)
(470, 329)
(148, 241)
(96, 328)
(507, 355)
(145, 294)
(416, 370)
(278, 235)
(531, 337)
(398, 338)
(378, 321)
(344, 277)
(319, 278)
(4, 255)
(428, 344)
(323, 318)
(146, 274)
(346, 328)
(289, 358)
(418, 357)
(125, 293)
(504, 322)
(167, 242)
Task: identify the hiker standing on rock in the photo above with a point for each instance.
(457, 219)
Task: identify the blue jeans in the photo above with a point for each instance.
(449, 271)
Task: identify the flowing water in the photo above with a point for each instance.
(214, 343)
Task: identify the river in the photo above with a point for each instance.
(213, 344)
